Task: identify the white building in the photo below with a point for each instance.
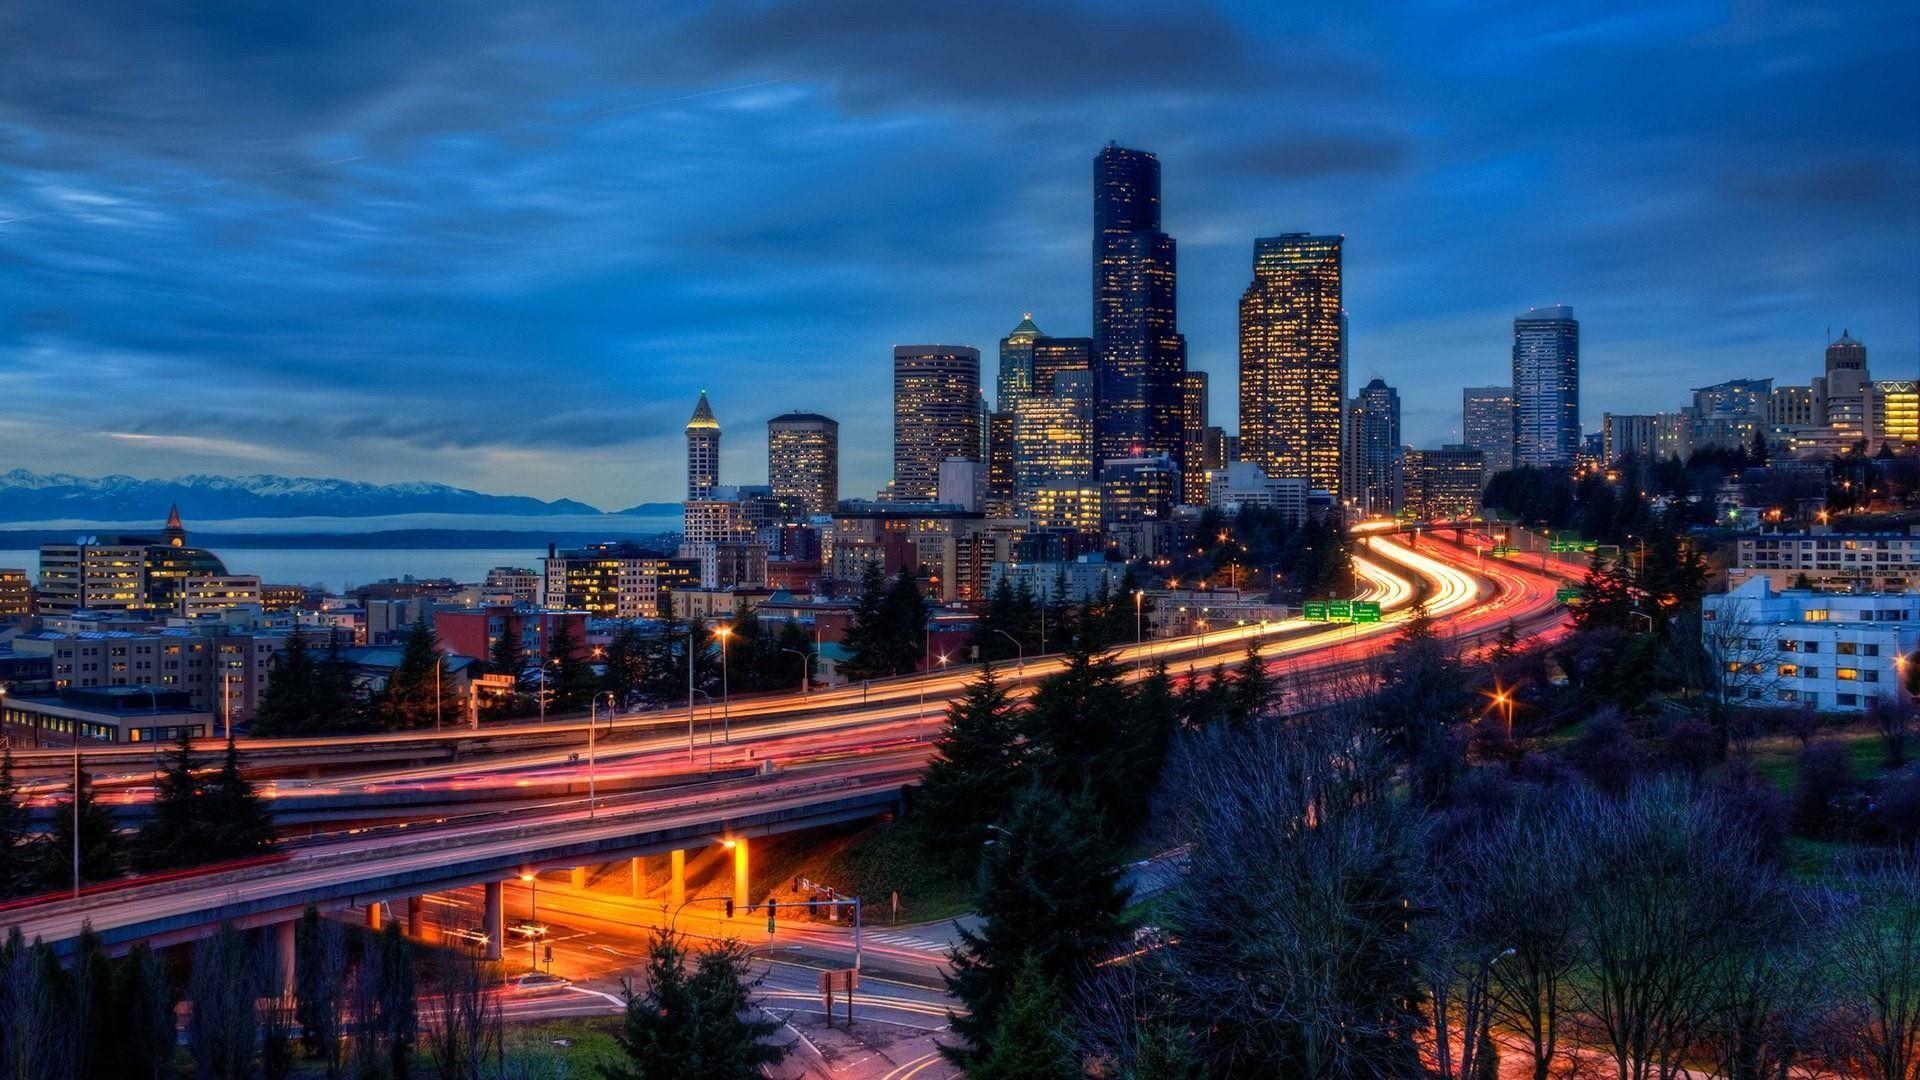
(1244, 484)
(1858, 562)
(1829, 651)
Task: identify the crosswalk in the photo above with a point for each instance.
(908, 941)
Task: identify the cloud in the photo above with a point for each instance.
(1311, 155)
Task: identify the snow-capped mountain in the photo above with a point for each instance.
(30, 496)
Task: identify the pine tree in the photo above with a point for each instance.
(626, 667)
(15, 869)
(506, 656)
(1034, 1038)
(337, 707)
(697, 1024)
(889, 621)
(1507, 645)
(143, 1020)
(172, 835)
(100, 852)
(974, 773)
(237, 822)
(1075, 736)
(1051, 898)
(289, 705)
(793, 637)
(570, 679)
(410, 700)
(1254, 690)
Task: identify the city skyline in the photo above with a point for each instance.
(186, 232)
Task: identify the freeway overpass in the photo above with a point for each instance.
(820, 758)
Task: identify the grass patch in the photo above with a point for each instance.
(588, 1043)
(879, 860)
(1778, 761)
(1814, 860)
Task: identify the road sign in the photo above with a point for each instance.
(844, 979)
(1339, 610)
(494, 682)
(1366, 611)
(1314, 611)
(1569, 595)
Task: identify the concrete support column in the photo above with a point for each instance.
(577, 877)
(416, 918)
(283, 939)
(741, 894)
(637, 878)
(376, 917)
(677, 879)
(493, 922)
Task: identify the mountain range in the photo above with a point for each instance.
(31, 496)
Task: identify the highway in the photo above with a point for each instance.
(820, 757)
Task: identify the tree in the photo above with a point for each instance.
(699, 1025)
(1874, 961)
(889, 621)
(1034, 1038)
(321, 975)
(1077, 729)
(223, 988)
(385, 1009)
(418, 692)
(570, 679)
(507, 655)
(1254, 689)
(237, 822)
(171, 835)
(100, 848)
(15, 864)
(465, 1028)
(975, 771)
(292, 701)
(626, 665)
(33, 1041)
(1050, 896)
(143, 1017)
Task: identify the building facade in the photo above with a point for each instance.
(1015, 377)
(1445, 484)
(803, 461)
(936, 415)
(1486, 424)
(1140, 356)
(1852, 562)
(1293, 362)
(703, 451)
(1546, 387)
(616, 580)
(127, 574)
(1799, 648)
(1376, 469)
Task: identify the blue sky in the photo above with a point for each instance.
(504, 245)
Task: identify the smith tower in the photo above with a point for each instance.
(703, 451)
(1140, 359)
(1293, 359)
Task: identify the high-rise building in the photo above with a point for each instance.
(936, 415)
(1193, 448)
(1016, 365)
(1053, 436)
(1140, 355)
(803, 460)
(1546, 387)
(1293, 369)
(1138, 489)
(1445, 484)
(1628, 435)
(1486, 424)
(703, 451)
(1002, 465)
(1841, 395)
(1377, 473)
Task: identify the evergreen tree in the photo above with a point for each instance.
(571, 682)
(90, 1022)
(697, 1024)
(1608, 596)
(794, 637)
(337, 706)
(507, 656)
(1034, 1038)
(886, 637)
(237, 822)
(1051, 899)
(100, 848)
(1507, 645)
(143, 1024)
(172, 834)
(866, 633)
(15, 869)
(1075, 728)
(410, 700)
(1254, 690)
(626, 667)
(1002, 616)
(974, 773)
(290, 703)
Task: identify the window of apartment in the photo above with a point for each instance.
(1870, 649)
(1846, 699)
(1846, 673)
(1787, 645)
(1816, 615)
(1870, 675)
(1789, 695)
(1810, 673)
(1809, 646)
(1846, 648)
(1788, 671)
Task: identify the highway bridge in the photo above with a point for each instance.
(483, 808)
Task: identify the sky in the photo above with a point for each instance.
(505, 245)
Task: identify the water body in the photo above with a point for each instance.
(342, 568)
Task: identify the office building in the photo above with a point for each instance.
(1193, 451)
(518, 584)
(204, 595)
(1376, 468)
(1016, 365)
(1138, 489)
(963, 483)
(803, 461)
(1628, 435)
(1293, 374)
(1240, 485)
(1735, 397)
(616, 580)
(1445, 484)
(1064, 506)
(16, 594)
(703, 451)
(1140, 357)
(126, 574)
(936, 415)
(1896, 412)
(1803, 649)
(1054, 435)
(1002, 465)
(1855, 561)
(1791, 406)
(1486, 424)
(1546, 387)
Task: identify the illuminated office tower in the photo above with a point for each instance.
(936, 415)
(803, 461)
(703, 451)
(1016, 365)
(1546, 387)
(1193, 438)
(1053, 436)
(1001, 463)
(1139, 355)
(1293, 362)
(1486, 424)
(1376, 472)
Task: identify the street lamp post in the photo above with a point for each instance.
(532, 882)
(806, 672)
(1020, 651)
(689, 695)
(1138, 596)
(593, 726)
(726, 709)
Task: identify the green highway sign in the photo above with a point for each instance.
(1501, 551)
(1366, 611)
(1567, 595)
(1314, 611)
(1339, 610)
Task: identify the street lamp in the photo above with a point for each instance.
(1020, 651)
(593, 726)
(1138, 596)
(532, 882)
(726, 710)
(806, 672)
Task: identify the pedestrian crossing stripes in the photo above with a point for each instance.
(907, 942)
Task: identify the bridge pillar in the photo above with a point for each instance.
(742, 897)
(375, 917)
(577, 877)
(637, 878)
(493, 921)
(283, 940)
(416, 921)
(677, 881)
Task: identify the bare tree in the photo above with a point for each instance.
(323, 977)
(1527, 870)
(33, 1034)
(224, 986)
(1875, 962)
(462, 1024)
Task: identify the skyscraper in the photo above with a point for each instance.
(1377, 472)
(1139, 354)
(803, 461)
(1486, 424)
(703, 451)
(1016, 365)
(936, 415)
(1293, 364)
(1193, 438)
(1546, 387)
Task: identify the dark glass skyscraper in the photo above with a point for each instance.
(1140, 357)
(1546, 387)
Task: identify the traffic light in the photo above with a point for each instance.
(772, 904)
(729, 907)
